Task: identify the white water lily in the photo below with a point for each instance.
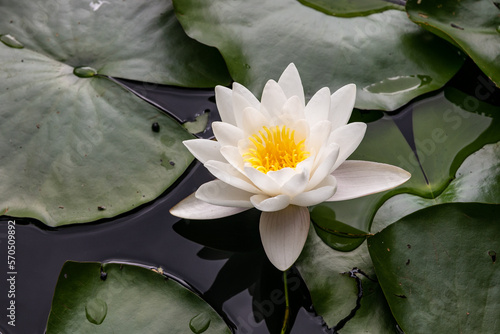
(281, 156)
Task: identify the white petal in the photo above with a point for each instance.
(253, 121)
(273, 98)
(270, 204)
(341, 105)
(301, 127)
(325, 166)
(318, 137)
(318, 108)
(296, 184)
(282, 176)
(294, 108)
(361, 178)
(243, 91)
(239, 104)
(219, 193)
(291, 84)
(193, 208)
(230, 175)
(204, 149)
(262, 181)
(320, 194)
(233, 156)
(283, 234)
(348, 137)
(227, 134)
(224, 100)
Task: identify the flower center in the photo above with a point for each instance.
(275, 148)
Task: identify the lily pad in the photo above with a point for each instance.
(390, 59)
(118, 298)
(78, 149)
(477, 180)
(126, 39)
(349, 8)
(438, 270)
(472, 25)
(443, 130)
(334, 292)
(75, 146)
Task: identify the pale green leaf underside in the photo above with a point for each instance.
(73, 149)
(130, 299)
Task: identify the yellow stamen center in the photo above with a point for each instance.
(275, 148)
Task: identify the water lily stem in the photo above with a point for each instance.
(287, 305)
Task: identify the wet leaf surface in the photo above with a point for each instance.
(75, 146)
(259, 39)
(472, 25)
(130, 300)
(436, 270)
(446, 129)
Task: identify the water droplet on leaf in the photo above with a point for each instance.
(84, 72)
(11, 41)
(199, 323)
(397, 85)
(96, 310)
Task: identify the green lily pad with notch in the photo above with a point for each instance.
(477, 180)
(77, 149)
(334, 292)
(119, 298)
(126, 39)
(349, 8)
(438, 268)
(390, 59)
(472, 25)
(448, 127)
